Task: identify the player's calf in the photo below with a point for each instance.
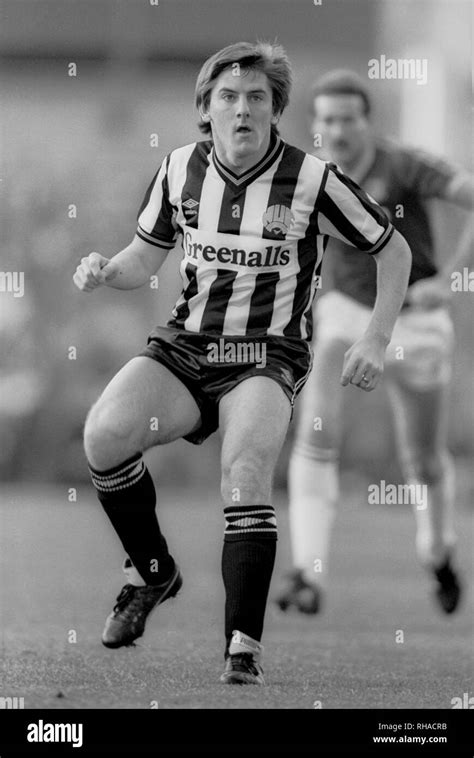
(248, 557)
(435, 535)
(127, 494)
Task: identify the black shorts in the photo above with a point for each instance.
(210, 365)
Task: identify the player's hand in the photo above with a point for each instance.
(363, 363)
(429, 293)
(93, 271)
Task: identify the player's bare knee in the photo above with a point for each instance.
(245, 475)
(108, 440)
(317, 428)
(317, 436)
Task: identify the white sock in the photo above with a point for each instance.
(313, 483)
(435, 534)
(242, 643)
(133, 577)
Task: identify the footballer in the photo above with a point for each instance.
(418, 360)
(254, 215)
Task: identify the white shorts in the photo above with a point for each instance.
(421, 349)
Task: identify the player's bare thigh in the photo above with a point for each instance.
(320, 404)
(253, 421)
(144, 405)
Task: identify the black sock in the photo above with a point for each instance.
(128, 496)
(248, 557)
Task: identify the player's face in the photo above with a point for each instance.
(343, 127)
(241, 113)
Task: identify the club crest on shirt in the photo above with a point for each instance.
(277, 219)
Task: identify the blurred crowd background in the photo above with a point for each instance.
(84, 141)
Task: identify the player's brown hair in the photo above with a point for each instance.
(342, 82)
(269, 58)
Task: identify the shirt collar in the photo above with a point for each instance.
(240, 180)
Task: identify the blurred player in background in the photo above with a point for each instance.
(418, 361)
(255, 215)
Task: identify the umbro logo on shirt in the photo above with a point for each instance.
(190, 207)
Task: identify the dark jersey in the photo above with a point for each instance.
(253, 243)
(400, 179)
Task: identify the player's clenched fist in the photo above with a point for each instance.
(93, 271)
(363, 364)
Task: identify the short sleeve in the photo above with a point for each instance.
(156, 215)
(349, 214)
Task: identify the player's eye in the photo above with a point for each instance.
(228, 96)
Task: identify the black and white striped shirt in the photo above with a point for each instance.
(253, 243)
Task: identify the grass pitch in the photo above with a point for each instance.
(60, 573)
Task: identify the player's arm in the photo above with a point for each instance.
(431, 177)
(463, 254)
(363, 362)
(460, 191)
(156, 235)
(350, 215)
(129, 269)
(435, 291)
